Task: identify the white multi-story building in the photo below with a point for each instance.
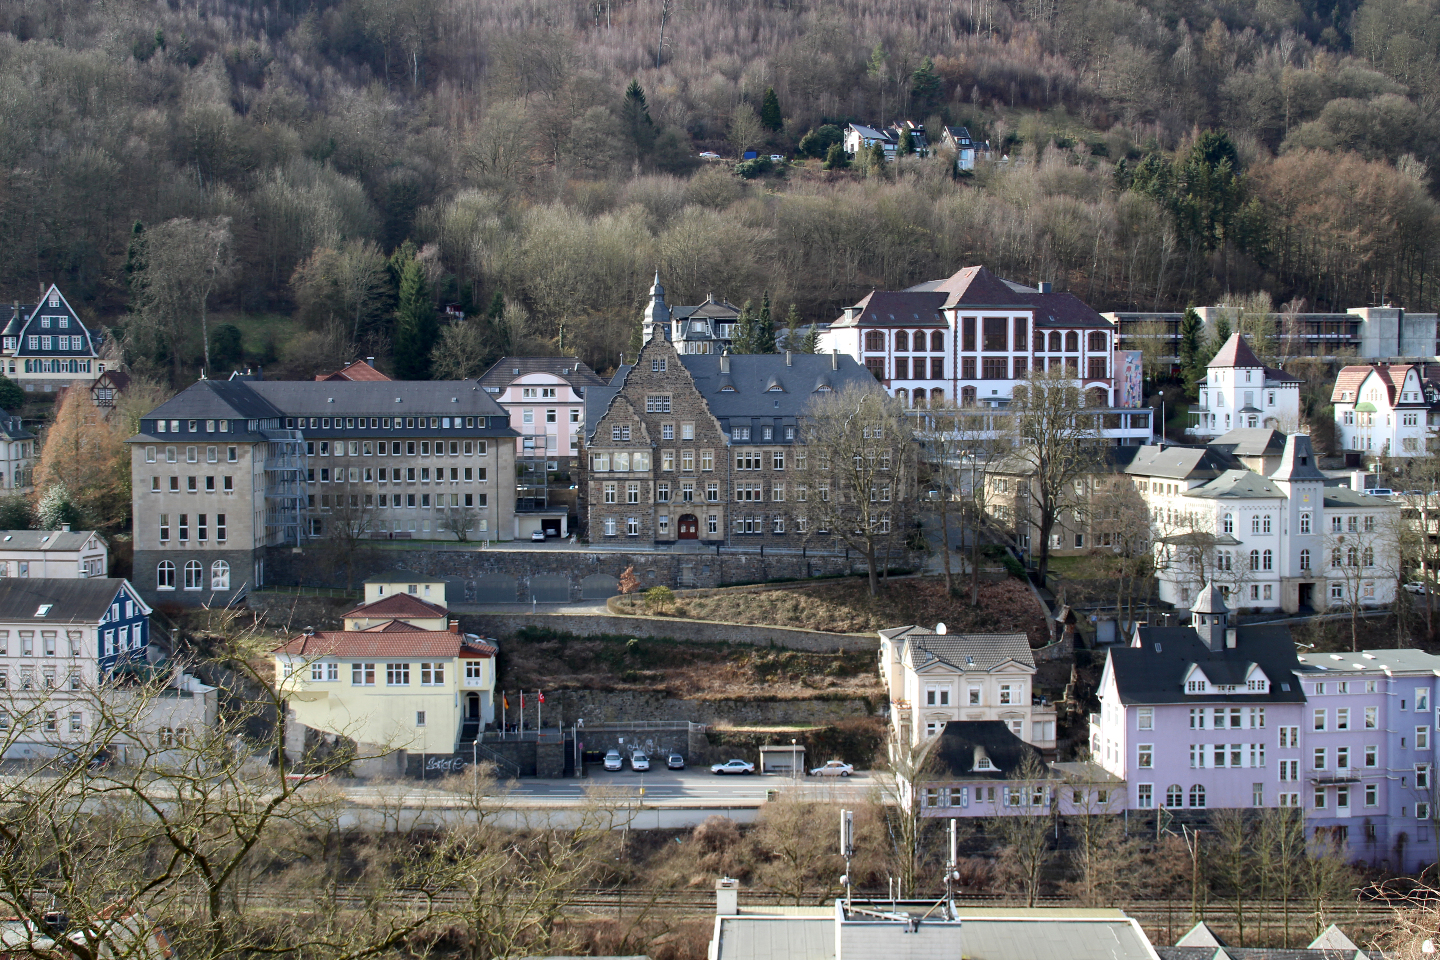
(1385, 409)
(53, 554)
(1241, 392)
(933, 678)
(1284, 541)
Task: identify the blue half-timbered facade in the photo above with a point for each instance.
(47, 345)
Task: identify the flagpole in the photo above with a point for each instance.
(539, 702)
(504, 707)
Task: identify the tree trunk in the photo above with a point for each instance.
(975, 555)
(874, 574)
(945, 539)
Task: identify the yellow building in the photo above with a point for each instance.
(392, 687)
(404, 607)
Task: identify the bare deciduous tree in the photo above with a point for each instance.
(857, 471)
(185, 263)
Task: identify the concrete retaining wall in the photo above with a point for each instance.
(624, 706)
(816, 641)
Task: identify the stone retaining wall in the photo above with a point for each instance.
(586, 624)
(625, 706)
(700, 569)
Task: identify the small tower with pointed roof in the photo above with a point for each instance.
(657, 313)
(1210, 617)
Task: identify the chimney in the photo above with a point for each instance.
(834, 359)
(727, 897)
(1043, 286)
(309, 631)
(1229, 638)
(454, 626)
(64, 528)
(787, 359)
(725, 362)
(370, 360)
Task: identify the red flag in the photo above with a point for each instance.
(522, 699)
(542, 695)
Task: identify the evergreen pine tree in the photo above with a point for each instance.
(135, 259)
(744, 339)
(770, 116)
(793, 322)
(906, 146)
(764, 337)
(810, 343)
(925, 85)
(635, 118)
(415, 327)
(1222, 333)
(1192, 347)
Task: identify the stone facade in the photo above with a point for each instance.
(658, 418)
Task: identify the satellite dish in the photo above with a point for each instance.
(940, 629)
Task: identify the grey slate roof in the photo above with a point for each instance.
(1298, 461)
(46, 540)
(72, 601)
(573, 371)
(1340, 497)
(218, 399)
(378, 398)
(750, 376)
(1242, 484)
(884, 308)
(972, 652)
(1251, 442)
(963, 742)
(777, 938)
(1154, 671)
(1181, 463)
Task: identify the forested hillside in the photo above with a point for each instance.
(1161, 152)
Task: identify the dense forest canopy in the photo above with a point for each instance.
(540, 159)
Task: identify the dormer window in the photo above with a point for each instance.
(984, 764)
(1195, 686)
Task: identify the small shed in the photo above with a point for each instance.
(786, 759)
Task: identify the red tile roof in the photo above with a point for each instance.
(1348, 380)
(392, 626)
(357, 370)
(398, 606)
(405, 644)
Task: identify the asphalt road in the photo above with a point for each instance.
(692, 788)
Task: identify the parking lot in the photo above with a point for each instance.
(697, 785)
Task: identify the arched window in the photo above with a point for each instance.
(1174, 796)
(194, 575)
(1227, 525)
(1197, 795)
(937, 342)
(1054, 342)
(1369, 556)
(937, 395)
(1097, 342)
(1097, 397)
(967, 396)
(219, 575)
(875, 340)
(165, 576)
(1351, 556)
(919, 399)
(1072, 342)
(1267, 561)
(903, 396)
(1304, 559)
(1254, 559)
(902, 341)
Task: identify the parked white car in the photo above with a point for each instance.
(638, 761)
(833, 768)
(733, 766)
(613, 761)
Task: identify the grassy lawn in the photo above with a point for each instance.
(1078, 568)
(256, 329)
(845, 606)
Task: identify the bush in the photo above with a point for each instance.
(817, 143)
(659, 599)
(12, 398)
(750, 169)
(836, 158)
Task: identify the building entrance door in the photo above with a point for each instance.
(472, 706)
(689, 527)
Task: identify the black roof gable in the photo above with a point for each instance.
(1153, 671)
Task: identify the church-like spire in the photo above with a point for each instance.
(657, 314)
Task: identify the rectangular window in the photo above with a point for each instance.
(1320, 719)
(1145, 756)
(1342, 719)
(362, 674)
(1319, 758)
(1371, 713)
(397, 674)
(1145, 718)
(164, 528)
(432, 674)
